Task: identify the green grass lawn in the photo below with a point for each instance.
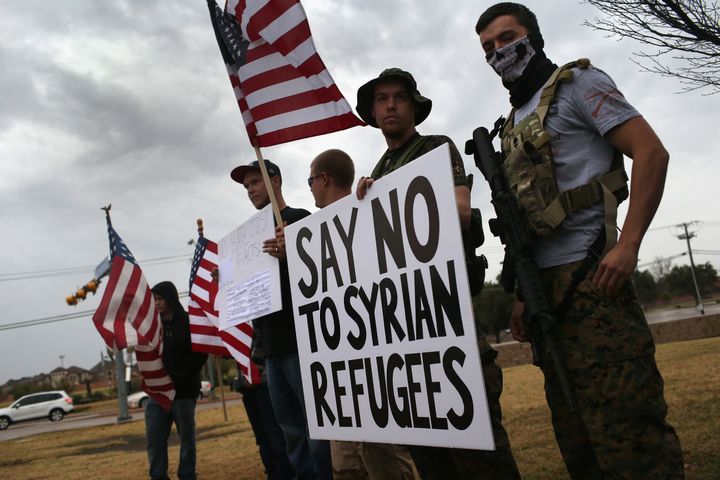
(228, 451)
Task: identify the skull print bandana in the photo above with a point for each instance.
(510, 61)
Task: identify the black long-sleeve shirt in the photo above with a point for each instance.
(182, 364)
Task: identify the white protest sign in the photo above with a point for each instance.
(383, 315)
(249, 283)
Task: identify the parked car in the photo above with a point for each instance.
(139, 399)
(52, 405)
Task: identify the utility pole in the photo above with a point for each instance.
(687, 236)
(62, 357)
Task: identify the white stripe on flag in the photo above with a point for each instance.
(261, 65)
(201, 293)
(278, 91)
(251, 8)
(198, 338)
(282, 24)
(241, 336)
(205, 274)
(301, 53)
(115, 301)
(302, 116)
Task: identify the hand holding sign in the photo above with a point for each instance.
(386, 334)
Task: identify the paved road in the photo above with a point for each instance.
(73, 421)
(658, 316)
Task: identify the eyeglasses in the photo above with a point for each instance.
(311, 179)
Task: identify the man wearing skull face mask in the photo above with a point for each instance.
(576, 124)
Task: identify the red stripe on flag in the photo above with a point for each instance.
(270, 77)
(307, 130)
(266, 15)
(127, 299)
(208, 330)
(288, 41)
(101, 312)
(297, 102)
(293, 38)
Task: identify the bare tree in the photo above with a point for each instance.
(688, 31)
(661, 267)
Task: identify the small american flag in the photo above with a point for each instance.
(282, 86)
(204, 333)
(127, 317)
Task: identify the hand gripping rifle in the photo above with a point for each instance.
(519, 266)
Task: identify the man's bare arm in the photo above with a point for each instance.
(637, 140)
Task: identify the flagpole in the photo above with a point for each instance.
(268, 187)
(200, 230)
(222, 390)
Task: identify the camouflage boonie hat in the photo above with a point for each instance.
(365, 96)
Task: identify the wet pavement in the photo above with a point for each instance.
(83, 420)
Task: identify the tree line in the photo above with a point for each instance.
(661, 283)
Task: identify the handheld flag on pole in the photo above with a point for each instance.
(204, 333)
(282, 86)
(127, 317)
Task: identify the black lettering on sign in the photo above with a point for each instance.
(356, 341)
(347, 239)
(411, 360)
(327, 255)
(387, 234)
(446, 300)
(307, 289)
(430, 359)
(462, 420)
(423, 314)
(369, 303)
(400, 415)
(356, 389)
(378, 401)
(320, 385)
(388, 296)
(332, 340)
(308, 310)
(336, 367)
(421, 186)
(407, 306)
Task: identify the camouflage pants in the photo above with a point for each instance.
(619, 429)
(458, 463)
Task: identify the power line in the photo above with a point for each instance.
(9, 277)
(57, 318)
(671, 257)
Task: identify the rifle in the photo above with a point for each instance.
(519, 266)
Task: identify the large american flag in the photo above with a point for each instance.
(127, 317)
(281, 84)
(204, 333)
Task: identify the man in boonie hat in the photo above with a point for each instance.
(393, 103)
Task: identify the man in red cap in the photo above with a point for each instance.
(275, 336)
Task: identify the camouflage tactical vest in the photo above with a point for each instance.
(530, 169)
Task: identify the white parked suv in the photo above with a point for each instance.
(52, 405)
(139, 399)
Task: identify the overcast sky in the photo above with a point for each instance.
(127, 102)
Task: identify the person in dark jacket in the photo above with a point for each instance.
(183, 365)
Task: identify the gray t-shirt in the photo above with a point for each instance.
(582, 112)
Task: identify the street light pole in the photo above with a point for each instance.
(121, 387)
